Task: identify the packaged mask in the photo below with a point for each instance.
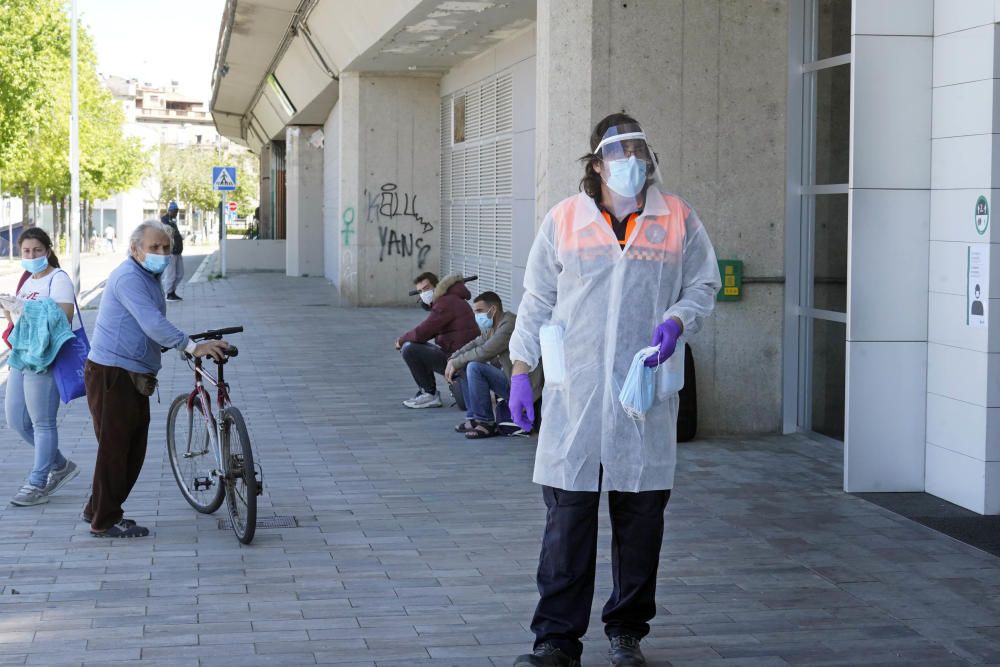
(550, 339)
(639, 389)
(670, 376)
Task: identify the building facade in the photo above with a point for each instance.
(842, 151)
(158, 116)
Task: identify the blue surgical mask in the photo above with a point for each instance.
(484, 321)
(627, 176)
(155, 263)
(36, 265)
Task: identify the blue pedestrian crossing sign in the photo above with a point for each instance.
(224, 179)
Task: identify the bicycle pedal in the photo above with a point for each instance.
(258, 474)
(203, 483)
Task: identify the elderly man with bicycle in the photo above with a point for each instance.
(120, 374)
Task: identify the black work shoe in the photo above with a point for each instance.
(546, 655)
(625, 652)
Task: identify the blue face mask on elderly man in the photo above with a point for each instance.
(155, 263)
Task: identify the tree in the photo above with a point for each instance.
(39, 155)
(30, 41)
(187, 172)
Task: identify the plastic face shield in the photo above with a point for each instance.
(628, 166)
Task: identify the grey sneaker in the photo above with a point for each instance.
(424, 400)
(59, 478)
(30, 495)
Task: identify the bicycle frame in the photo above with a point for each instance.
(200, 394)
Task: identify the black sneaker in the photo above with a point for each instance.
(124, 528)
(173, 297)
(625, 652)
(546, 655)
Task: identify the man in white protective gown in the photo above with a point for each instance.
(617, 268)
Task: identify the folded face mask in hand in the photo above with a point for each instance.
(639, 389)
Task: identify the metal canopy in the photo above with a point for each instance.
(410, 37)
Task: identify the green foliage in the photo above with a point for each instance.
(187, 172)
(35, 103)
(32, 41)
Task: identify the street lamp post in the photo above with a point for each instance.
(74, 156)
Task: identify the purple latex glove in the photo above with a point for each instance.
(665, 336)
(522, 402)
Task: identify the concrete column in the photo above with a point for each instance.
(331, 197)
(889, 203)
(266, 216)
(963, 390)
(709, 84)
(304, 203)
(387, 222)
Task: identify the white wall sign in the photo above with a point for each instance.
(977, 299)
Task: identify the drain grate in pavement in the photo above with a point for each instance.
(265, 522)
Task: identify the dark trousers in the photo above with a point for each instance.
(121, 424)
(424, 361)
(568, 562)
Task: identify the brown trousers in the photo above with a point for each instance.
(121, 424)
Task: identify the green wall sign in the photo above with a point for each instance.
(982, 215)
(732, 280)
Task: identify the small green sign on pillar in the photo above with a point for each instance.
(982, 215)
(732, 280)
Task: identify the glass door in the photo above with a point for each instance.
(817, 211)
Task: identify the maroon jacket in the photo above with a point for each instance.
(451, 322)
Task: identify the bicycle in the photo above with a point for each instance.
(229, 472)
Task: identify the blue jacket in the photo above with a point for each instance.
(131, 322)
(38, 335)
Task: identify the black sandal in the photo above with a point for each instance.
(465, 426)
(124, 528)
(481, 430)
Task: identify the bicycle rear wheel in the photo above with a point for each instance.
(240, 475)
(190, 442)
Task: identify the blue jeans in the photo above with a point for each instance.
(477, 382)
(31, 405)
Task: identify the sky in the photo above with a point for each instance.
(156, 41)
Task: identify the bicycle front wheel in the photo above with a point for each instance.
(240, 475)
(190, 441)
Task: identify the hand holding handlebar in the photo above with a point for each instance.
(216, 349)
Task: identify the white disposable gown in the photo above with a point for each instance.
(608, 301)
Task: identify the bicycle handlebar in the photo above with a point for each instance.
(414, 292)
(216, 334)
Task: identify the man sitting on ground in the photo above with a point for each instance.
(484, 366)
(450, 324)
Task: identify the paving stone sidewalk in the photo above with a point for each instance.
(416, 547)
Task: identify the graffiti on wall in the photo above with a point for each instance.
(388, 208)
(346, 230)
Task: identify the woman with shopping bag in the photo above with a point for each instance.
(39, 340)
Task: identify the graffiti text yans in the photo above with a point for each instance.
(402, 245)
